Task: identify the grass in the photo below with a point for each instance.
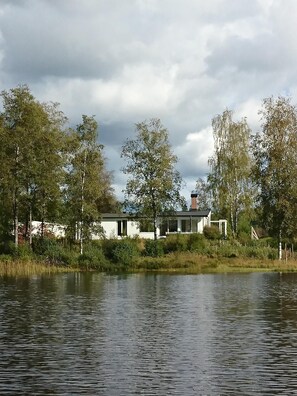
(28, 268)
(183, 263)
(187, 262)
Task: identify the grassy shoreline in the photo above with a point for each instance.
(191, 263)
(29, 268)
(181, 263)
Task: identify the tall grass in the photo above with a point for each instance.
(28, 268)
(192, 253)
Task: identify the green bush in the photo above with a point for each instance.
(272, 254)
(54, 252)
(228, 249)
(211, 232)
(197, 243)
(108, 247)
(5, 258)
(261, 252)
(92, 258)
(69, 257)
(24, 252)
(153, 248)
(121, 251)
(176, 243)
(125, 252)
(44, 245)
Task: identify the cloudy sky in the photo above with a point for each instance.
(124, 61)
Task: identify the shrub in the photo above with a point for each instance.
(122, 251)
(24, 252)
(176, 243)
(54, 252)
(153, 248)
(69, 257)
(5, 258)
(125, 252)
(197, 243)
(108, 247)
(42, 246)
(92, 258)
(228, 250)
(211, 232)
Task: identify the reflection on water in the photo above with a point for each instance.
(93, 334)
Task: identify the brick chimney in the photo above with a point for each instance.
(194, 205)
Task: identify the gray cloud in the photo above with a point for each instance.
(130, 60)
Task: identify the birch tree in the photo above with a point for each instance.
(23, 121)
(31, 150)
(275, 152)
(86, 181)
(230, 172)
(153, 185)
(204, 195)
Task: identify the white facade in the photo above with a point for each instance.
(57, 230)
(185, 222)
(119, 225)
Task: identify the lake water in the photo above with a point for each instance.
(94, 334)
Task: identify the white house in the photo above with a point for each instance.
(117, 225)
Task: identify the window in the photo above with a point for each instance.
(186, 225)
(172, 225)
(122, 228)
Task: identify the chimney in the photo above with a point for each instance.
(194, 205)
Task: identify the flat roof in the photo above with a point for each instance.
(180, 213)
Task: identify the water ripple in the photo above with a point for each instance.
(91, 334)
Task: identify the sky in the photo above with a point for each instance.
(126, 61)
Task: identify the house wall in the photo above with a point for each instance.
(57, 230)
(132, 228)
(110, 228)
(196, 225)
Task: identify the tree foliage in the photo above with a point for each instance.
(88, 182)
(230, 173)
(48, 173)
(275, 171)
(204, 194)
(154, 185)
(31, 156)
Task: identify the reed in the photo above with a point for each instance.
(189, 262)
(28, 268)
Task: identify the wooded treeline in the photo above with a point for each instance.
(253, 177)
(53, 173)
(49, 171)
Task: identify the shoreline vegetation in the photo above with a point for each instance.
(182, 254)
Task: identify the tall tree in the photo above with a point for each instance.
(50, 155)
(87, 181)
(229, 177)
(154, 185)
(5, 196)
(31, 150)
(275, 151)
(204, 198)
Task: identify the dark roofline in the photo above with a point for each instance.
(180, 213)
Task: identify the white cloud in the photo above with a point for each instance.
(195, 152)
(130, 60)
